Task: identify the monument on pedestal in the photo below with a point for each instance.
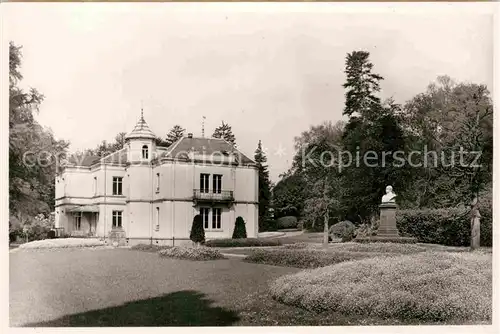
(387, 230)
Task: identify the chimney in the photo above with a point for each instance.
(190, 135)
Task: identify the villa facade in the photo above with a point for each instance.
(151, 194)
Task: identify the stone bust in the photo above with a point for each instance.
(390, 196)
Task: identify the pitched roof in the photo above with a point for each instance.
(84, 161)
(141, 130)
(207, 146)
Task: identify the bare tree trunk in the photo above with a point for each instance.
(475, 238)
(325, 224)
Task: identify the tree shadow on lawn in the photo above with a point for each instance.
(181, 308)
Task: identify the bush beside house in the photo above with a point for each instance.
(197, 234)
(240, 231)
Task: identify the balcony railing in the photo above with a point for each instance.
(209, 196)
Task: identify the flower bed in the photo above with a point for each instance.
(62, 243)
(302, 258)
(248, 242)
(191, 253)
(429, 286)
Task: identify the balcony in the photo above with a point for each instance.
(208, 196)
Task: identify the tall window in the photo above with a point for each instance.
(217, 184)
(117, 219)
(204, 182)
(157, 182)
(95, 185)
(117, 185)
(216, 218)
(145, 152)
(78, 221)
(204, 216)
(157, 219)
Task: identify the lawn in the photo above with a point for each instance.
(122, 287)
(125, 287)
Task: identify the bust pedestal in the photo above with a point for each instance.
(387, 230)
(387, 227)
(117, 237)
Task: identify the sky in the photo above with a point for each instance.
(270, 74)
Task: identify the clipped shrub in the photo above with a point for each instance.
(197, 234)
(344, 229)
(287, 222)
(302, 258)
(248, 242)
(51, 234)
(268, 225)
(240, 231)
(428, 286)
(449, 227)
(191, 253)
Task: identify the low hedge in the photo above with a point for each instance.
(449, 227)
(191, 253)
(287, 222)
(248, 242)
(301, 258)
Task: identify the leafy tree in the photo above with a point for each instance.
(264, 186)
(225, 132)
(119, 141)
(441, 120)
(319, 169)
(197, 234)
(288, 195)
(240, 231)
(34, 153)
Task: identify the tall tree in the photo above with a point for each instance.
(264, 185)
(360, 85)
(225, 132)
(34, 153)
(373, 133)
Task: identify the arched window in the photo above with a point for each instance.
(145, 152)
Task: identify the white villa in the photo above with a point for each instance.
(151, 194)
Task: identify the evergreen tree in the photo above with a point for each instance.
(240, 231)
(225, 132)
(361, 84)
(264, 186)
(176, 133)
(197, 234)
(373, 126)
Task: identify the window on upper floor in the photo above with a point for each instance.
(95, 185)
(117, 219)
(217, 184)
(117, 185)
(204, 182)
(145, 152)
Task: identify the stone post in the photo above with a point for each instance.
(475, 230)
